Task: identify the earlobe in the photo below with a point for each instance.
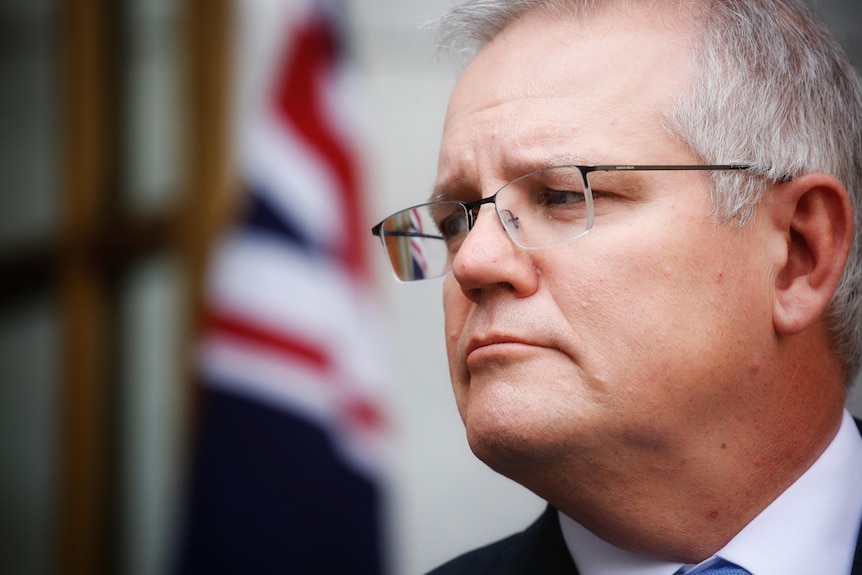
(814, 215)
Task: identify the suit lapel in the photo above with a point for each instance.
(542, 549)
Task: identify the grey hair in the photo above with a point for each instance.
(469, 27)
(769, 86)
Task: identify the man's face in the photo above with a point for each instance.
(635, 343)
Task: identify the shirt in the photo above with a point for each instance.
(810, 528)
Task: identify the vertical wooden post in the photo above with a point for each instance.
(208, 200)
(83, 471)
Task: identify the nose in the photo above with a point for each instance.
(489, 259)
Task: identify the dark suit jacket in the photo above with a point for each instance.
(541, 550)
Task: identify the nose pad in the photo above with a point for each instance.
(511, 221)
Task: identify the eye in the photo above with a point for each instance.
(452, 227)
(549, 197)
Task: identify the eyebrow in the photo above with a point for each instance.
(510, 167)
(451, 189)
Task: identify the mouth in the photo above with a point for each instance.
(478, 343)
(481, 351)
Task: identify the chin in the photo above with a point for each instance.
(511, 445)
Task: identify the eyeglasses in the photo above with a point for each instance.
(538, 210)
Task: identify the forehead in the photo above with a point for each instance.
(559, 90)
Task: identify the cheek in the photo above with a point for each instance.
(456, 310)
(654, 304)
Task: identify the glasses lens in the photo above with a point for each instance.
(546, 207)
(420, 241)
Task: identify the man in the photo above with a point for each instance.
(653, 323)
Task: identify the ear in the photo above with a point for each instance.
(814, 216)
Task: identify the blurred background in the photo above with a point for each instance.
(142, 187)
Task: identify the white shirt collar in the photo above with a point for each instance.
(810, 528)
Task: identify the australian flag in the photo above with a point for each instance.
(287, 471)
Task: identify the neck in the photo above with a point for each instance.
(700, 497)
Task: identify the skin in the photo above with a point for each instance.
(663, 378)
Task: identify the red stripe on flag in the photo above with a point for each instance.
(359, 411)
(365, 414)
(299, 97)
(276, 341)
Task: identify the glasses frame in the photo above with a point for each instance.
(471, 208)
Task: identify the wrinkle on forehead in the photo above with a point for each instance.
(463, 178)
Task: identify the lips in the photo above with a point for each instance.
(486, 341)
(495, 347)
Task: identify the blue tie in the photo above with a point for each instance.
(723, 568)
(726, 570)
